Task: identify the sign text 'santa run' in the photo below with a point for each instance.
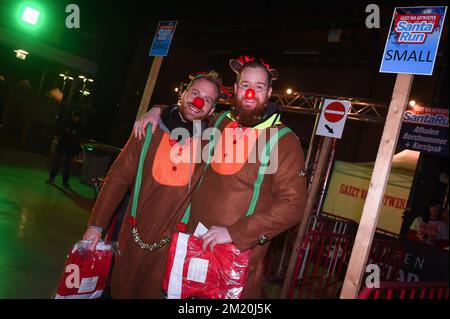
(431, 119)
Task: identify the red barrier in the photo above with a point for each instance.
(322, 262)
(389, 256)
(281, 246)
(408, 290)
(332, 224)
(323, 259)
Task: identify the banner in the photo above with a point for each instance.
(425, 129)
(349, 185)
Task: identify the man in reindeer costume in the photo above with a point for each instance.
(227, 187)
(164, 189)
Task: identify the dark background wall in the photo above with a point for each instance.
(291, 36)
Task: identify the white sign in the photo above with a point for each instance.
(333, 117)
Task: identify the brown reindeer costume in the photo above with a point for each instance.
(225, 193)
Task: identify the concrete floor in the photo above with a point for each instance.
(39, 223)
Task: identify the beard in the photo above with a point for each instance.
(187, 114)
(248, 117)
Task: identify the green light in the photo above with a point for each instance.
(31, 15)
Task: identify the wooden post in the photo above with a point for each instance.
(149, 86)
(374, 199)
(312, 196)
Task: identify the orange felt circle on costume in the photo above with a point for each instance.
(233, 149)
(170, 173)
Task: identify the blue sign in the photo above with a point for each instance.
(413, 40)
(425, 130)
(163, 38)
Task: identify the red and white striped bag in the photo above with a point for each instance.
(86, 272)
(194, 272)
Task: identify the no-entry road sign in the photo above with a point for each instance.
(333, 117)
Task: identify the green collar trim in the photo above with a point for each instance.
(266, 124)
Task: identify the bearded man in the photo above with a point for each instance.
(282, 193)
(166, 185)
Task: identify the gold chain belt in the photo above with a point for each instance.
(156, 245)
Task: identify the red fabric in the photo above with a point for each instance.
(226, 274)
(111, 227)
(182, 227)
(245, 59)
(85, 273)
(225, 91)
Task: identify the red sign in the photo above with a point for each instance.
(334, 112)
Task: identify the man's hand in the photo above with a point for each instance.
(216, 235)
(151, 117)
(93, 235)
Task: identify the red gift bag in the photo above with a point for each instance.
(194, 272)
(86, 272)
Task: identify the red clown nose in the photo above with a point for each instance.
(198, 102)
(249, 94)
